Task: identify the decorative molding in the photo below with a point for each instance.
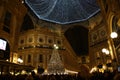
(41, 36)
(102, 33)
(98, 35)
(30, 38)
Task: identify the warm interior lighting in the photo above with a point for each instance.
(22, 2)
(113, 35)
(103, 50)
(20, 60)
(104, 67)
(106, 51)
(55, 46)
(71, 72)
(94, 69)
(23, 72)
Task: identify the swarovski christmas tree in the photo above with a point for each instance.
(55, 66)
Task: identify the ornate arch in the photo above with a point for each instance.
(110, 18)
(77, 36)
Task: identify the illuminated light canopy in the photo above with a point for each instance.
(63, 11)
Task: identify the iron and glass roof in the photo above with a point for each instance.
(63, 11)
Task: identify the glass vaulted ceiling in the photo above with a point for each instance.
(63, 11)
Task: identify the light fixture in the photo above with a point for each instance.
(103, 50)
(22, 1)
(20, 60)
(56, 46)
(113, 35)
(106, 51)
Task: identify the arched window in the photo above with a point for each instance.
(7, 20)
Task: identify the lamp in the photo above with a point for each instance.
(20, 60)
(106, 51)
(114, 35)
(55, 46)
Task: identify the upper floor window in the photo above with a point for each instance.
(105, 5)
(7, 19)
(40, 58)
(30, 39)
(21, 41)
(40, 40)
(49, 57)
(50, 41)
(29, 58)
(58, 42)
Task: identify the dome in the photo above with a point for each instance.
(63, 11)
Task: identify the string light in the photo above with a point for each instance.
(63, 11)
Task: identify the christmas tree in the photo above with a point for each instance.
(55, 66)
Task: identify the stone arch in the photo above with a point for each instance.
(110, 18)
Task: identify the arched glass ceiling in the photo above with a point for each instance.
(63, 11)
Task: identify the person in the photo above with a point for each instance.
(29, 77)
(33, 76)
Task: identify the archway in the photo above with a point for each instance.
(78, 39)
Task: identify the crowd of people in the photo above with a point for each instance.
(93, 76)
